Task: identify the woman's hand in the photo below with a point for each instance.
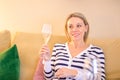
(45, 52)
(66, 72)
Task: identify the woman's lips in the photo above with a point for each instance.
(75, 35)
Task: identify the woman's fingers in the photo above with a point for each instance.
(45, 52)
(65, 72)
(60, 73)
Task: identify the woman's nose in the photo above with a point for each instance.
(74, 29)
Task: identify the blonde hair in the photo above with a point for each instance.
(81, 16)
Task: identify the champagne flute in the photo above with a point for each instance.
(97, 70)
(96, 73)
(46, 33)
(88, 75)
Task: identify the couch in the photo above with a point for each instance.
(29, 44)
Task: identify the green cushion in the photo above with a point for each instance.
(10, 64)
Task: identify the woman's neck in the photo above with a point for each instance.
(76, 47)
(77, 44)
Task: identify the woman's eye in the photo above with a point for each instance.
(70, 26)
(78, 26)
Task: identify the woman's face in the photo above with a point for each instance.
(76, 28)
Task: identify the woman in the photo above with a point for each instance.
(74, 60)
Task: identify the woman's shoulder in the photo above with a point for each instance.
(59, 44)
(96, 50)
(95, 47)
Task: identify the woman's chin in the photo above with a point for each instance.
(76, 39)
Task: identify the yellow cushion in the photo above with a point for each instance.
(5, 40)
(28, 45)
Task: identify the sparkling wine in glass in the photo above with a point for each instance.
(97, 69)
(46, 33)
(96, 73)
(88, 75)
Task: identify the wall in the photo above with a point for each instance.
(29, 15)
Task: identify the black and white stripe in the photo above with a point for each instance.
(61, 57)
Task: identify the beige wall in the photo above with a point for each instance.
(29, 15)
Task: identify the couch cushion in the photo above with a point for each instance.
(29, 45)
(9, 64)
(5, 40)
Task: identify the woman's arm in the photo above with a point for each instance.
(49, 66)
(100, 63)
(101, 66)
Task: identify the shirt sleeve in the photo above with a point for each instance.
(101, 65)
(49, 66)
(99, 74)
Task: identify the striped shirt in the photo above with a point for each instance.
(90, 62)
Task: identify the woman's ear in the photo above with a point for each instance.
(86, 28)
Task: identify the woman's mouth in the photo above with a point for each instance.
(75, 35)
